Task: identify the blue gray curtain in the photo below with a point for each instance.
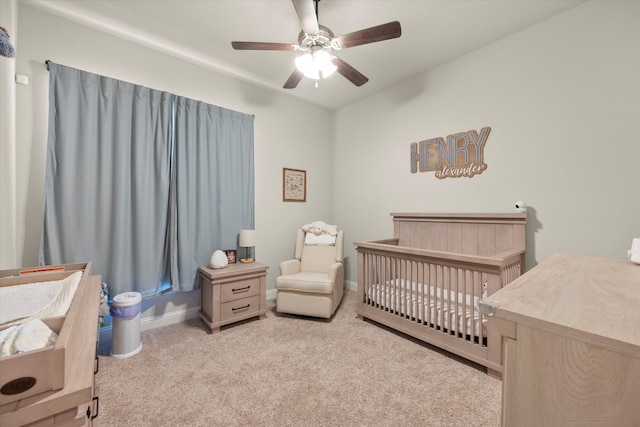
(213, 184)
(142, 183)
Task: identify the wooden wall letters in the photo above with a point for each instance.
(462, 154)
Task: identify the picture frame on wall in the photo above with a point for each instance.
(231, 255)
(294, 185)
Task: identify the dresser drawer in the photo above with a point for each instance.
(240, 309)
(240, 289)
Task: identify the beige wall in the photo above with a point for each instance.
(563, 101)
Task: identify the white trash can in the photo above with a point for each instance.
(125, 312)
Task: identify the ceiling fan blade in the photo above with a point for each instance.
(293, 79)
(262, 46)
(353, 75)
(390, 30)
(307, 16)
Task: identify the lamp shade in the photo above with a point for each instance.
(247, 238)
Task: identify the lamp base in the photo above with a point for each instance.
(246, 260)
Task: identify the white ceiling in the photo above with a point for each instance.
(201, 31)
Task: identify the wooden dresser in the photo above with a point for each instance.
(571, 343)
(233, 293)
(75, 404)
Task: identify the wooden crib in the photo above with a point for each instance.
(427, 280)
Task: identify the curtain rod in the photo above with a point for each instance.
(49, 62)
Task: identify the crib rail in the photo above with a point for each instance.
(434, 295)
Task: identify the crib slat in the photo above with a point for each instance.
(460, 307)
(402, 295)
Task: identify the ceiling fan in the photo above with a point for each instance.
(317, 43)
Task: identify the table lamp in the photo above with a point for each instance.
(247, 240)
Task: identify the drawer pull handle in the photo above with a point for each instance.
(97, 399)
(96, 367)
(241, 308)
(246, 288)
(97, 407)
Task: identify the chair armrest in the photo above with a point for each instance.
(336, 273)
(291, 266)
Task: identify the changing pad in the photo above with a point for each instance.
(41, 300)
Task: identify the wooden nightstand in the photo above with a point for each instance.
(233, 293)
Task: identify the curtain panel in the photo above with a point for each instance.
(131, 187)
(214, 188)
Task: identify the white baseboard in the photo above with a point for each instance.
(166, 319)
(147, 323)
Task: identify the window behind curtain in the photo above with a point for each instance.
(141, 183)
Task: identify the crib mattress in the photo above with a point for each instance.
(431, 305)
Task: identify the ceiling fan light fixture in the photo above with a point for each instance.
(317, 43)
(316, 65)
(323, 60)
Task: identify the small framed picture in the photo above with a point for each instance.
(231, 255)
(294, 185)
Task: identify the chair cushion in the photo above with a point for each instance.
(305, 282)
(317, 259)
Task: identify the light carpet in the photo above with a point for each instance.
(292, 371)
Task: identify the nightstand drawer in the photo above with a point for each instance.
(241, 289)
(240, 308)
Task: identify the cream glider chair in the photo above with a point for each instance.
(312, 284)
